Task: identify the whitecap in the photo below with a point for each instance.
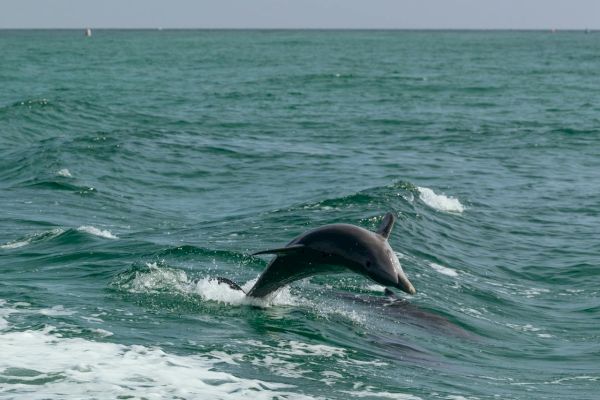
(443, 270)
(92, 230)
(440, 202)
(64, 172)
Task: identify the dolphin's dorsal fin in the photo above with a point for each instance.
(386, 225)
(283, 250)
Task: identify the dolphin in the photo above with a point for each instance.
(332, 249)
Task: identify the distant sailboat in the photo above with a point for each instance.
(88, 32)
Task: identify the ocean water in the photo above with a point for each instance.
(137, 166)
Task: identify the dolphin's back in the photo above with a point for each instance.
(328, 249)
(343, 240)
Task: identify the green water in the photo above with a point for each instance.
(137, 165)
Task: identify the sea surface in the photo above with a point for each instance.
(137, 166)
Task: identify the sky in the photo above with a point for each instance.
(334, 14)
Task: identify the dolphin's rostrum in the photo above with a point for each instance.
(333, 248)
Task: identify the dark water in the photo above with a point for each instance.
(136, 165)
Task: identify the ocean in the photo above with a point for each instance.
(137, 166)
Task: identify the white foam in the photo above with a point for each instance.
(76, 368)
(443, 270)
(330, 377)
(92, 230)
(440, 202)
(280, 366)
(375, 363)
(371, 392)
(64, 172)
(211, 289)
(532, 292)
(277, 359)
(4, 312)
(93, 320)
(303, 349)
(56, 311)
(103, 332)
(375, 288)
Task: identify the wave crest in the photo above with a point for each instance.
(440, 202)
(92, 230)
(36, 237)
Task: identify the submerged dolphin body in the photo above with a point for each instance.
(333, 248)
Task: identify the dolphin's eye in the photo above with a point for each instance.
(368, 263)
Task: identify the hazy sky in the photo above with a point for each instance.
(487, 14)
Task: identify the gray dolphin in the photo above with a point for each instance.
(331, 249)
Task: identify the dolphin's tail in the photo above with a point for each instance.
(230, 283)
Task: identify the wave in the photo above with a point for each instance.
(388, 197)
(57, 233)
(378, 198)
(36, 237)
(58, 185)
